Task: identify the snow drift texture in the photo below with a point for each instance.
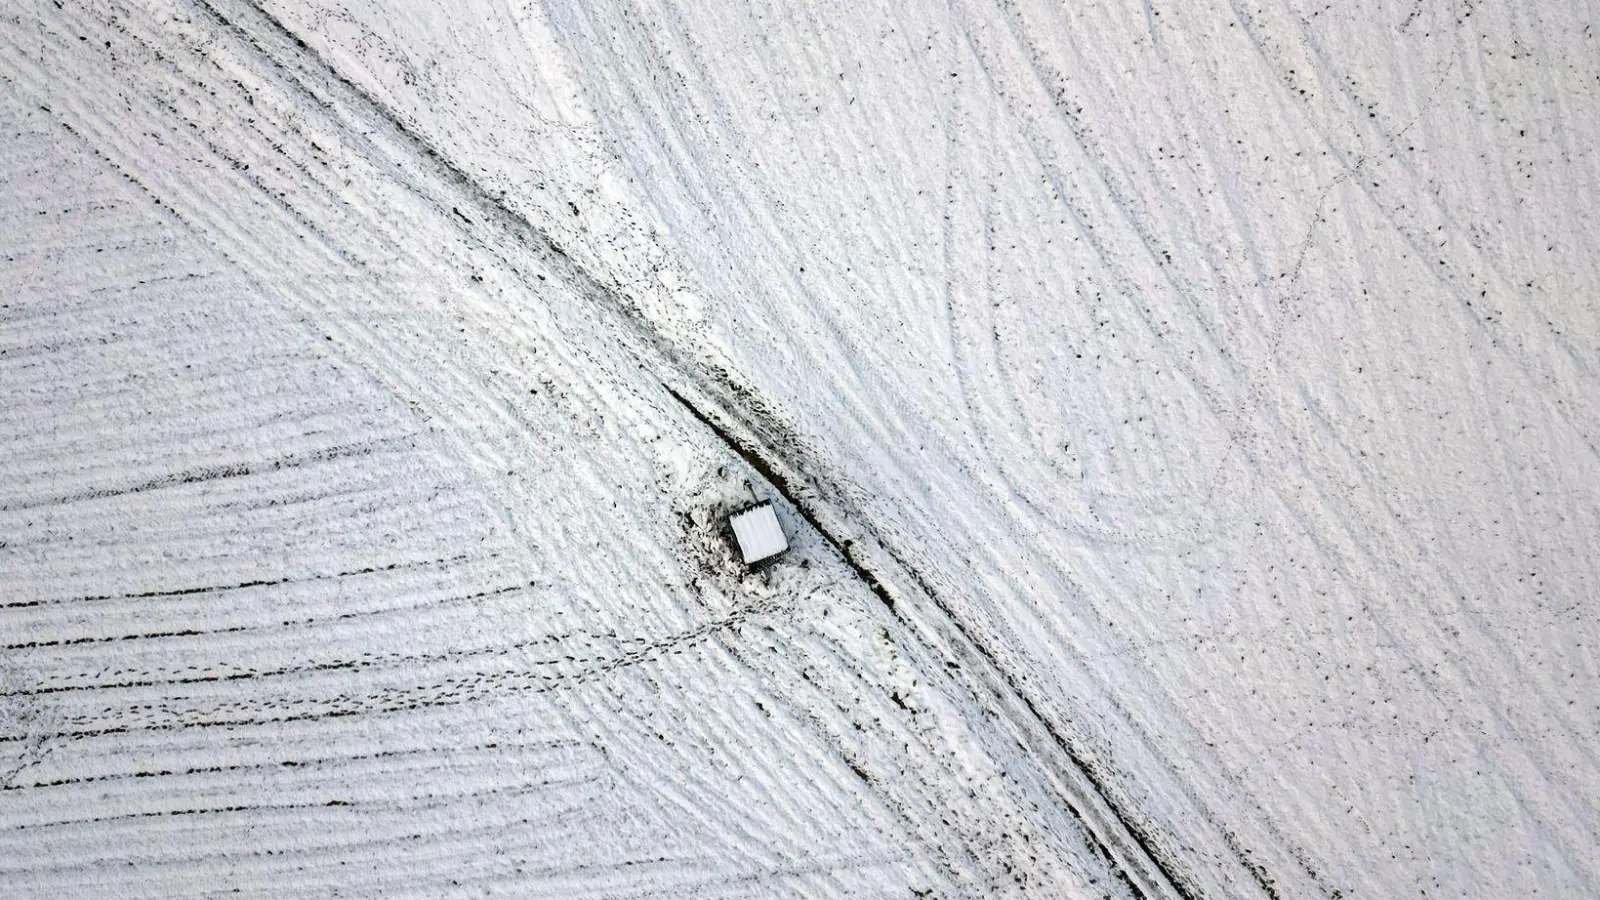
(1184, 417)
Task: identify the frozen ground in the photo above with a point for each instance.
(1185, 417)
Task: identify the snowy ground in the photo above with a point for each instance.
(1185, 418)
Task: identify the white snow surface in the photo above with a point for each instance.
(1186, 414)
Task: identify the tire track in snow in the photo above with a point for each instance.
(155, 864)
(778, 454)
(1569, 413)
(194, 209)
(223, 588)
(217, 472)
(1241, 424)
(275, 624)
(1251, 424)
(629, 651)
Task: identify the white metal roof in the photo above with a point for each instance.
(758, 533)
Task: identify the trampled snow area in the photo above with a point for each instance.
(1183, 418)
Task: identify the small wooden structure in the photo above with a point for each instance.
(757, 532)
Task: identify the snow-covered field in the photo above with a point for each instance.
(1185, 417)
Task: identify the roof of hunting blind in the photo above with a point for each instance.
(758, 533)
